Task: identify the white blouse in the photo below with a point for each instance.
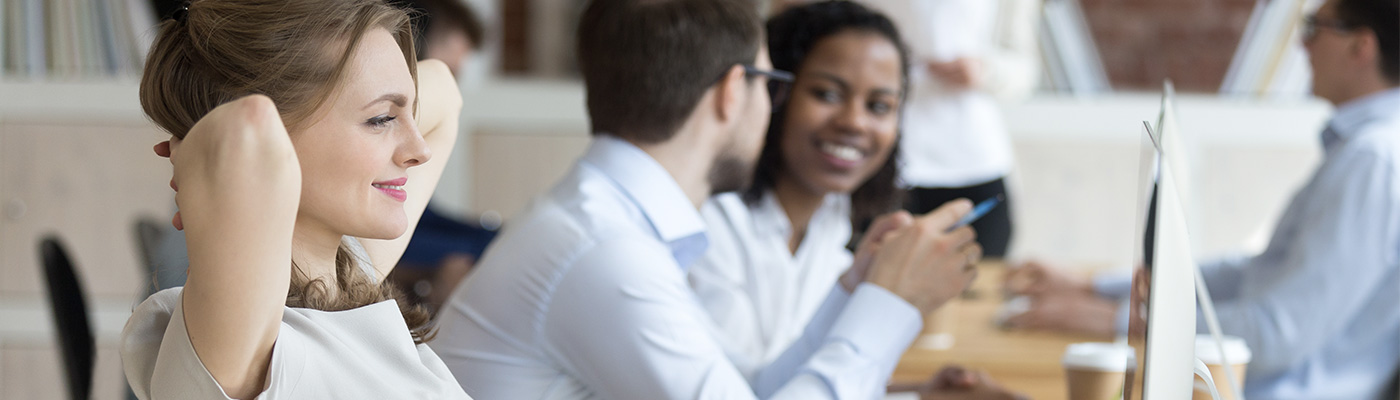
(363, 353)
(760, 295)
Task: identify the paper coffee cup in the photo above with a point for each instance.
(1236, 352)
(1094, 371)
(938, 328)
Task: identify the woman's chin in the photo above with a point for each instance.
(837, 184)
(387, 231)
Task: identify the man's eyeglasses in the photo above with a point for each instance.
(779, 83)
(1311, 24)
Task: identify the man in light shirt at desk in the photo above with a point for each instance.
(1320, 307)
(584, 295)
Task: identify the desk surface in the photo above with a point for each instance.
(1027, 362)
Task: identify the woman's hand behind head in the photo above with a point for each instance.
(236, 159)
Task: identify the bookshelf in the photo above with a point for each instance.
(63, 40)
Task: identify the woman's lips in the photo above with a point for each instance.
(393, 188)
(397, 194)
(840, 155)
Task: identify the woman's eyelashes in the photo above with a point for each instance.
(880, 107)
(381, 121)
(827, 95)
(876, 106)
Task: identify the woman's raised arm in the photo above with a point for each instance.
(238, 185)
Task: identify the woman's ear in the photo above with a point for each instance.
(163, 149)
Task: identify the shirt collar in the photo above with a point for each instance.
(655, 192)
(1355, 114)
(771, 217)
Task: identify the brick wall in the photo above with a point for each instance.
(1144, 41)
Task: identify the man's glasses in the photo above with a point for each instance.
(1311, 24)
(779, 83)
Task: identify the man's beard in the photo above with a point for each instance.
(730, 173)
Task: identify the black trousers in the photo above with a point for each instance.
(993, 230)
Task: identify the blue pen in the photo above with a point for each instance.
(978, 212)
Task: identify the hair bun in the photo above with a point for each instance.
(181, 13)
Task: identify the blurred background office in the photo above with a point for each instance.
(76, 161)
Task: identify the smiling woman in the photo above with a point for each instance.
(827, 160)
(302, 156)
(827, 164)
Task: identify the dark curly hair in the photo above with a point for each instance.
(791, 36)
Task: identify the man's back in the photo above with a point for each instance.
(1319, 304)
(502, 330)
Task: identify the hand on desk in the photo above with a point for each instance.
(1068, 312)
(1059, 301)
(1033, 278)
(957, 383)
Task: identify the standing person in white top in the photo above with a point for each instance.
(777, 248)
(296, 130)
(969, 56)
(584, 295)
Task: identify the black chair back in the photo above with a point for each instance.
(1394, 390)
(149, 233)
(69, 308)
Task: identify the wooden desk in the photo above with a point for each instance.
(1027, 362)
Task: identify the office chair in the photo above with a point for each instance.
(69, 308)
(149, 233)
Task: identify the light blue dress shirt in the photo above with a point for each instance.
(584, 296)
(1320, 307)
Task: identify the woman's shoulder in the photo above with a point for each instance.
(160, 362)
(157, 357)
(152, 316)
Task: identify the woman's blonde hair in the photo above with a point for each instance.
(294, 52)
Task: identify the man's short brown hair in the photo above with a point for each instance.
(1380, 17)
(646, 63)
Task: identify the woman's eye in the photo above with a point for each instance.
(829, 96)
(381, 121)
(880, 108)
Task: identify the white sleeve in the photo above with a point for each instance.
(624, 322)
(160, 362)
(843, 346)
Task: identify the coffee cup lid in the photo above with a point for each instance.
(1106, 357)
(1236, 350)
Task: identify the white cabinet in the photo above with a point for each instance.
(85, 182)
(75, 161)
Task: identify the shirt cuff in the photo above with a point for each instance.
(878, 324)
(1113, 286)
(1120, 319)
(830, 311)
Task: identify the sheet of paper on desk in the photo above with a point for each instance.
(902, 396)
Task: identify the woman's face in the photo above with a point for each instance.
(355, 156)
(843, 117)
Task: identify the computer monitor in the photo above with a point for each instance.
(1162, 321)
